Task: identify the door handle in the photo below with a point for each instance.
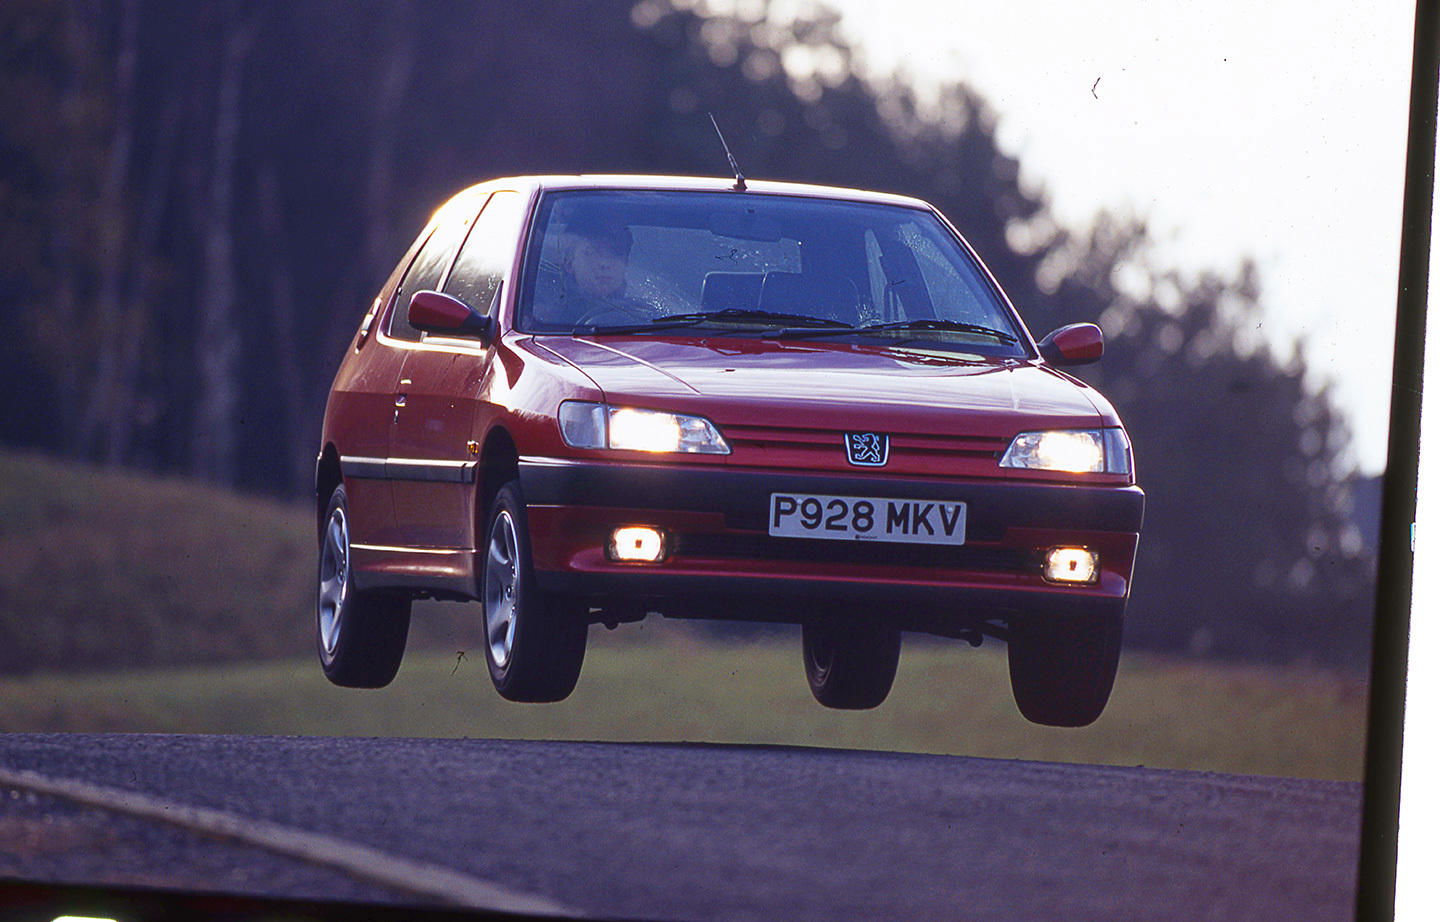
(400, 396)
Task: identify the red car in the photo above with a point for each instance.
(585, 399)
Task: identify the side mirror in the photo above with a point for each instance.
(435, 312)
(1073, 344)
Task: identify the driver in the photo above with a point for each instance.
(593, 261)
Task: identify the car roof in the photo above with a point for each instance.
(697, 184)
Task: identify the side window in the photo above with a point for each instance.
(387, 291)
(488, 252)
(429, 267)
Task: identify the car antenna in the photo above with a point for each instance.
(739, 177)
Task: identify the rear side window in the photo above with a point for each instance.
(488, 252)
(387, 291)
(428, 269)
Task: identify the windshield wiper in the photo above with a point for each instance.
(913, 326)
(660, 323)
(740, 315)
(728, 315)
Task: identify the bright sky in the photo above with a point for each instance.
(1271, 129)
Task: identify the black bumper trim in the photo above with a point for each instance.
(743, 496)
(764, 547)
(794, 600)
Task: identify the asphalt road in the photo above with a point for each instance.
(683, 831)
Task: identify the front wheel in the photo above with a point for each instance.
(360, 635)
(850, 664)
(1062, 671)
(534, 641)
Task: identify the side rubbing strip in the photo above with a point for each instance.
(409, 469)
(354, 466)
(417, 469)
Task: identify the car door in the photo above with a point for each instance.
(427, 273)
(444, 382)
(361, 413)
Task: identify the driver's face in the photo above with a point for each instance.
(599, 269)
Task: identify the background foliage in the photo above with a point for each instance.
(199, 201)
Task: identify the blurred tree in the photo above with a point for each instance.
(193, 238)
(55, 107)
(217, 343)
(1250, 546)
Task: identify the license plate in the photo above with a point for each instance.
(866, 518)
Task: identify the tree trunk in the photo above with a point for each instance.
(217, 343)
(297, 469)
(143, 409)
(394, 73)
(107, 417)
(66, 237)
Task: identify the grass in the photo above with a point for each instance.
(662, 681)
(169, 586)
(106, 569)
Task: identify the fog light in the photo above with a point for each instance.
(1071, 565)
(637, 542)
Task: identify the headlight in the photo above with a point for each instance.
(1079, 451)
(598, 425)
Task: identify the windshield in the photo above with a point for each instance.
(641, 262)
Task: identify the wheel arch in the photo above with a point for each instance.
(499, 464)
(327, 477)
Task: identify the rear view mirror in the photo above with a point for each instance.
(1074, 344)
(435, 312)
(745, 226)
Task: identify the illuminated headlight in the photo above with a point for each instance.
(1079, 451)
(598, 425)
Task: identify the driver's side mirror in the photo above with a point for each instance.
(1073, 344)
(436, 312)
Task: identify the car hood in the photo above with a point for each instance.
(831, 385)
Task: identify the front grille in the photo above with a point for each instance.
(964, 557)
(776, 437)
(914, 453)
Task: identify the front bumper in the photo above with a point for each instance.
(724, 564)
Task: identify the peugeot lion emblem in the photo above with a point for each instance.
(867, 449)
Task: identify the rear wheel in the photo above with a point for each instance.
(1061, 671)
(360, 635)
(534, 641)
(850, 664)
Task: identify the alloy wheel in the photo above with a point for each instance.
(501, 578)
(334, 578)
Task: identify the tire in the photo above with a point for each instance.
(1062, 671)
(534, 641)
(850, 664)
(360, 635)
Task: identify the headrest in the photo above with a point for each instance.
(722, 290)
(816, 295)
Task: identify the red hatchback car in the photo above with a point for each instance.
(585, 399)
